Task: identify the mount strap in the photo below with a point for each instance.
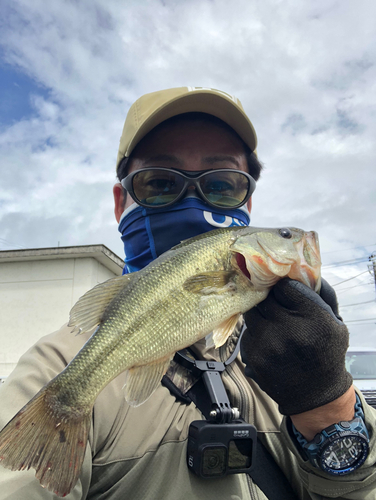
(266, 473)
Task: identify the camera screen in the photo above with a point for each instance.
(214, 461)
(240, 454)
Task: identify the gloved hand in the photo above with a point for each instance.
(295, 347)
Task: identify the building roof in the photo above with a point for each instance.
(99, 252)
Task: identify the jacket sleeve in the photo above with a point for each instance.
(359, 485)
(48, 357)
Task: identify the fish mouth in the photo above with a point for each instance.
(307, 268)
(242, 263)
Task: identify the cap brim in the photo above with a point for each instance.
(200, 101)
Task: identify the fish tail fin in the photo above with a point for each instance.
(42, 437)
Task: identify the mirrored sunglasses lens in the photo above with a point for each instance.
(225, 189)
(157, 187)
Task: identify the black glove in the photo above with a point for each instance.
(295, 347)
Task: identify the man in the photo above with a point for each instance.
(293, 350)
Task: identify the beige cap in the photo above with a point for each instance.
(152, 109)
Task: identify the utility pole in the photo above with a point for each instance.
(372, 266)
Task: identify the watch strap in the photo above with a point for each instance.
(356, 427)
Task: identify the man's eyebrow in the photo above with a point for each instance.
(214, 159)
(164, 157)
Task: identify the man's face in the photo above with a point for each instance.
(188, 145)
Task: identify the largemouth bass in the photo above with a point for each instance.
(201, 286)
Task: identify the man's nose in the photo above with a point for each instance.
(191, 192)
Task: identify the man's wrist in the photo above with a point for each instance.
(340, 448)
(311, 422)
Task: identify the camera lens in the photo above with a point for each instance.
(214, 460)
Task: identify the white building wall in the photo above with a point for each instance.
(36, 297)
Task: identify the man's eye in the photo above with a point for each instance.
(218, 186)
(161, 184)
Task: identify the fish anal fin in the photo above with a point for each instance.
(88, 311)
(224, 330)
(210, 282)
(143, 380)
(55, 447)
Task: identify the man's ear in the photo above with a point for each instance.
(249, 204)
(119, 200)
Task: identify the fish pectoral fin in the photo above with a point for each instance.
(210, 282)
(225, 329)
(88, 311)
(209, 341)
(142, 381)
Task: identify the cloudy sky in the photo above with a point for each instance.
(305, 72)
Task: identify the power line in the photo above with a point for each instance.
(348, 279)
(359, 303)
(9, 243)
(354, 286)
(361, 324)
(353, 248)
(358, 320)
(358, 260)
(346, 262)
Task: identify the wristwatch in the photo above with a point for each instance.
(340, 448)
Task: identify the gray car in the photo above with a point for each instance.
(361, 363)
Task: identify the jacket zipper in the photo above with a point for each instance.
(244, 408)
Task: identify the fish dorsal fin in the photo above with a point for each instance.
(142, 381)
(224, 330)
(210, 282)
(88, 311)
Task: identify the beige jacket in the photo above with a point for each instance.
(140, 453)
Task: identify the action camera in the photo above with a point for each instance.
(224, 443)
(216, 450)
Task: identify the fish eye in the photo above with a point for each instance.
(285, 232)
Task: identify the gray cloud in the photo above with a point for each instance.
(346, 123)
(295, 123)
(304, 72)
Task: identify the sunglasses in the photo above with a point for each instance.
(160, 187)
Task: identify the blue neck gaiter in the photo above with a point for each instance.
(149, 232)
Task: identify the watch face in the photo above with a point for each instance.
(344, 454)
